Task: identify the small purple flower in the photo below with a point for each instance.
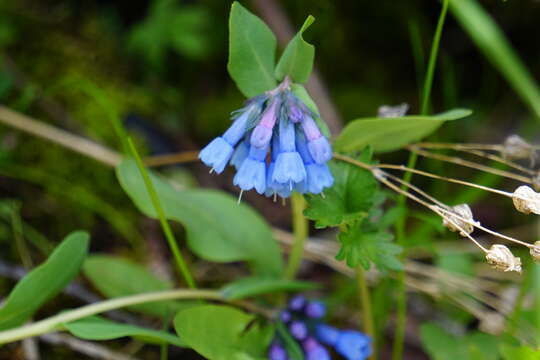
(314, 350)
(289, 167)
(353, 345)
(298, 330)
(285, 316)
(297, 303)
(315, 309)
(252, 173)
(327, 334)
(262, 133)
(277, 352)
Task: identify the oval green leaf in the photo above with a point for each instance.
(297, 59)
(45, 281)
(253, 286)
(96, 328)
(218, 229)
(252, 49)
(388, 134)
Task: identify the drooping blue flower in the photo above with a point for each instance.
(353, 345)
(289, 167)
(327, 334)
(318, 175)
(252, 172)
(318, 145)
(277, 352)
(240, 154)
(314, 350)
(272, 186)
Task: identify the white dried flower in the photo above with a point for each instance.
(526, 200)
(501, 258)
(514, 147)
(535, 251)
(455, 222)
(389, 111)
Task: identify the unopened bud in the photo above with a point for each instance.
(456, 220)
(535, 251)
(514, 147)
(526, 200)
(501, 258)
(388, 111)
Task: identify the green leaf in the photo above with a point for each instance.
(387, 134)
(509, 352)
(96, 328)
(347, 201)
(115, 277)
(218, 229)
(440, 345)
(252, 48)
(301, 92)
(252, 286)
(497, 49)
(291, 345)
(45, 281)
(361, 245)
(220, 332)
(297, 59)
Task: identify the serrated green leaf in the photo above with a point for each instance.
(220, 332)
(96, 328)
(360, 246)
(218, 229)
(347, 201)
(297, 59)
(45, 281)
(252, 48)
(387, 134)
(252, 286)
(115, 277)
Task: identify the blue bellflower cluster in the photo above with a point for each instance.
(303, 319)
(275, 145)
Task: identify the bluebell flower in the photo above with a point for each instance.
(285, 316)
(297, 303)
(272, 186)
(277, 352)
(289, 167)
(327, 334)
(318, 145)
(240, 154)
(318, 176)
(353, 345)
(315, 309)
(252, 173)
(262, 133)
(298, 330)
(314, 350)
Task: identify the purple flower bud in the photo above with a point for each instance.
(297, 303)
(285, 316)
(314, 350)
(320, 150)
(315, 309)
(298, 330)
(260, 136)
(216, 154)
(295, 113)
(277, 352)
(353, 345)
(327, 334)
(311, 129)
(252, 173)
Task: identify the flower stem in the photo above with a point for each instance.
(180, 262)
(367, 313)
(300, 229)
(54, 323)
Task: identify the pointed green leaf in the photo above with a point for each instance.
(45, 281)
(388, 134)
(252, 48)
(96, 328)
(252, 286)
(218, 229)
(297, 59)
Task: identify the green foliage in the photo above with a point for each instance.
(387, 134)
(291, 345)
(221, 333)
(497, 49)
(96, 328)
(169, 26)
(45, 281)
(252, 48)
(218, 229)
(297, 59)
(253, 286)
(509, 352)
(441, 345)
(115, 277)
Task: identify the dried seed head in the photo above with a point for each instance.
(526, 200)
(455, 222)
(501, 258)
(535, 251)
(514, 147)
(388, 111)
